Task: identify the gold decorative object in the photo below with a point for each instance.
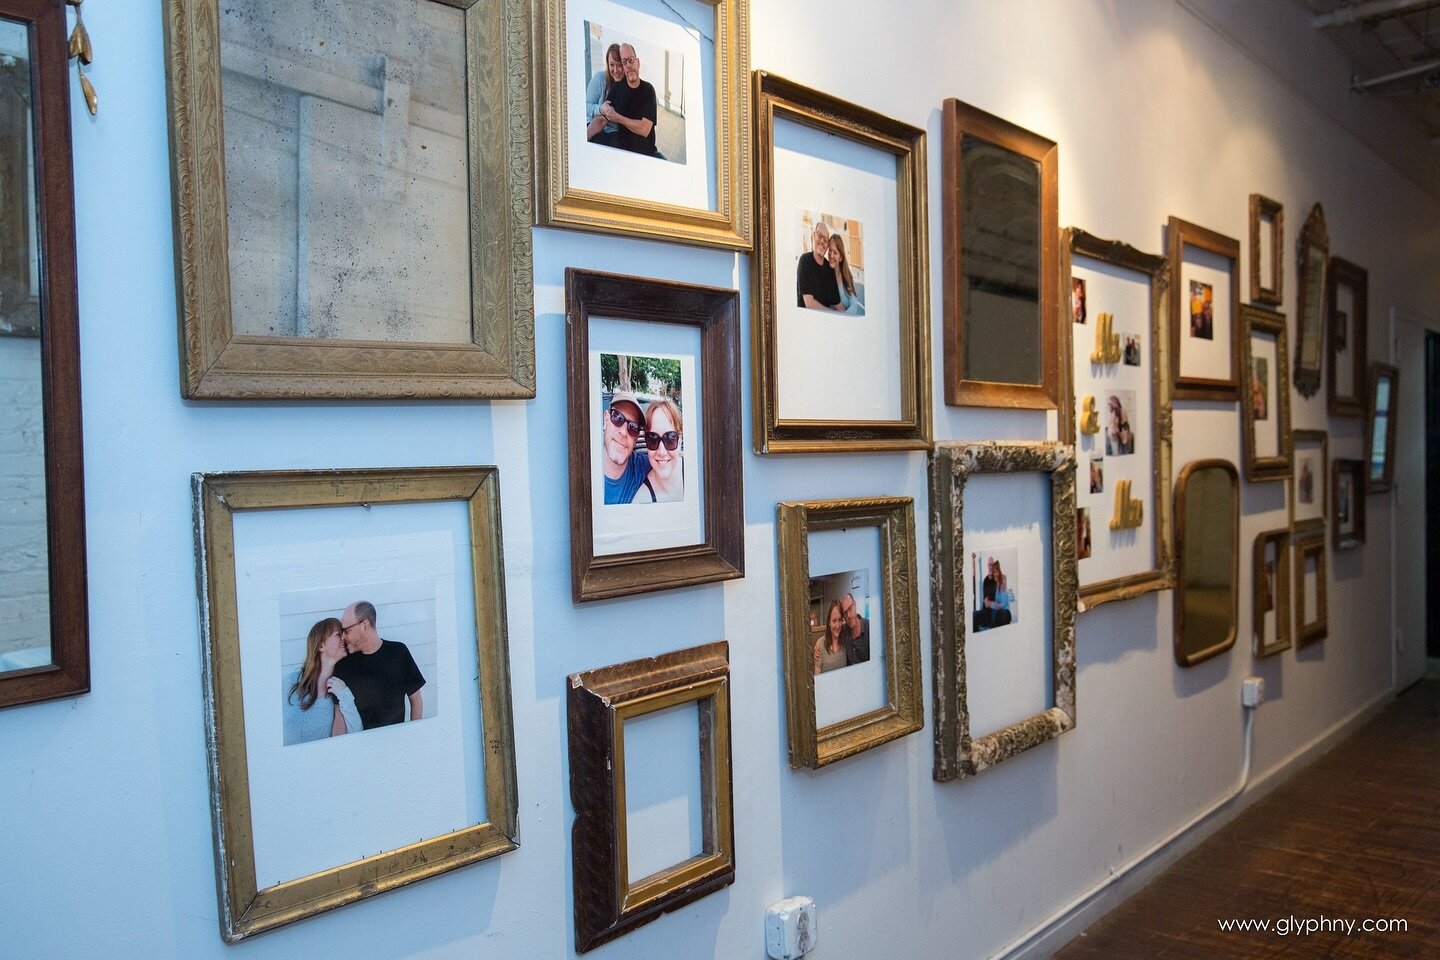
(1089, 416)
(1129, 513)
(1107, 342)
(82, 52)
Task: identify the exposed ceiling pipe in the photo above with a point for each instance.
(1369, 10)
(1365, 86)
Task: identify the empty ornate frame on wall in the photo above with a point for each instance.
(1310, 547)
(1265, 395)
(1207, 569)
(1263, 210)
(607, 902)
(1183, 236)
(812, 745)
(779, 99)
(564, 204)
(1154, 272)
(229, 670)
(1310, 350)
(959, 753)
(1380, 427)
(1271, 597)
(223, 353)
(1347, 345)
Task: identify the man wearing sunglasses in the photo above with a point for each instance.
(624, 469)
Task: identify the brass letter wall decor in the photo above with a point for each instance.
(1107, 342)
(1089, 416)
(1128, 512)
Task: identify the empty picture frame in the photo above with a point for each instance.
(1311, 616)
(1000, 240)
(288, 563)
(840, 218)
(1347, 310)
(1116, 412)
(849, 625)
(654, 434)
(609, 899)
(1265, 394)
(1267, 251)
(1314, 248)
(1270, 592)
(1309, 491)
(353, 218)
(1380, 427)
(1004, 648)
(1207, 560)
(684, 175)
(1204, 312)
(1347, 492)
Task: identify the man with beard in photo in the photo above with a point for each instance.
(624, 469)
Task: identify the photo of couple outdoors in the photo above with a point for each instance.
(844, 634)
(830, 274)
(642, 429)
(624, 110)
(351, 679)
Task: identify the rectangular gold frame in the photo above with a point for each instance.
(607, 904)
(1322, 482)
(1179, 235)
(904, 713)
(1261, 209)
(1343, 273)
(1281, 601)
(1259, 320)
(1310, 545)
(778, 97)
(1077, 242)
(1387, 478)
(216, 363)
(245, 909)
(958, 753)
(729, 225)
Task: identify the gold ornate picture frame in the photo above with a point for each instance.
(1310, 548)
(1267, 223)
(1265, 394)
(1270, 592)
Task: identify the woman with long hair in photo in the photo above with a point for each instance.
(830, 649)
(319, 703)
(664, 433)
(844, 279)
(1003, 596)
(597, 92)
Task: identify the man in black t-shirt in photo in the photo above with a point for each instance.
(634, 107)
(381, 673)
(815, 283)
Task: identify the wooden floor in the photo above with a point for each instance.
(1354, 836)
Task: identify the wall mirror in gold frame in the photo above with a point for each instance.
(1270, 592)
(352, 217)
(44, 646)
(1001, 234)
(1347, 313)
(1314, 248)
(1311, 614)
(1204, 312)
(1265, 394)
(1267, 251)
(1380, 426)
(1117, 414)
(850, 626)
(1207, 560)
(605, 706)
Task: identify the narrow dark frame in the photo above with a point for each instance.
(1184, 655)
(1310, 545)
(1387, 473)
(1310, 294)
(1357, 471)
(1262, 322)
(68, 672)
(1280, 603)
(716, 312)
(959, 120)
(1261, 209)
(1179, 236)
(607, 903)
(1343, 273)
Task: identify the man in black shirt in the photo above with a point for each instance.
(815, 283)
(381, 673)
(634, 107)
(858, 649)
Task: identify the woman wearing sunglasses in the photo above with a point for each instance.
(663, 435)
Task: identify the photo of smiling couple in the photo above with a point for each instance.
(642, 429)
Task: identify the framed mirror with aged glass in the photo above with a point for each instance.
(44, 647)
(1347, 308)
(1380, 427)
(1207, 559)
(1314, 267)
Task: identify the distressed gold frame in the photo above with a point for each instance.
(1077, 242)
(1387, 472)
(727, 226)
(1181, 234)
(217, 363)
(607, 903)
(1321, 482)
(904, 712)
(1261, 209)
(1311, 545)
(1253, 321)
(1184, 655)
(776, 97)
(1311, 293)
(1280, 603)
(245, 909)
(1343, 273)
(958, 752)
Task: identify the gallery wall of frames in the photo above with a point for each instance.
(554, 476)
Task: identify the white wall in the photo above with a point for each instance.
(105, 837)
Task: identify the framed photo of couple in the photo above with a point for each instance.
(643, 118)
(354, 632)
(655, 464)
(841, 322)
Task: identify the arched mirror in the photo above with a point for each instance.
(1207, 555)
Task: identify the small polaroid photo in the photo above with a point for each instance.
(1077, 299)
(1115, 419)
(1082, 533)
(1097, 474)
(1131, 349)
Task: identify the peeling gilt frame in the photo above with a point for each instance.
(1280, 602)
(904, 713)
(245, 909)
(217, 363)
(608, 903)
(1310, 545)
(958, 752)
(1258, 320)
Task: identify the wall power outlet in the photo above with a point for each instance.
(1252, 691)
(791, 928)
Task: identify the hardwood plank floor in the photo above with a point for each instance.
(1354, 836)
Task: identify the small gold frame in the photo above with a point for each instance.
(1306, 547)
(245, 909)
(904, 712)
(1259, 321)
(1280, 602)
(1262, 209)
(607, 903)
(1321, 481)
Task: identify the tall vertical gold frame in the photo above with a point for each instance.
(561, 205)
(1265, 323)
(245, 909)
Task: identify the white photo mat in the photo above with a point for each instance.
(1206, 359)
(862, 687)
(1310, 473)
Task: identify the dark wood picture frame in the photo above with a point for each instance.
(778, 98)
(1386, 475)
(1357, 471)
(607, 903)
(1343, 273)
(1263, 209)
(1279, 597)
(1311, 545)
(958, 121)
(1259, 321)
(1313, 248)
(68, 672)
(1322, 485)
(716, 313)
(1187, 653)
(1180, 235)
